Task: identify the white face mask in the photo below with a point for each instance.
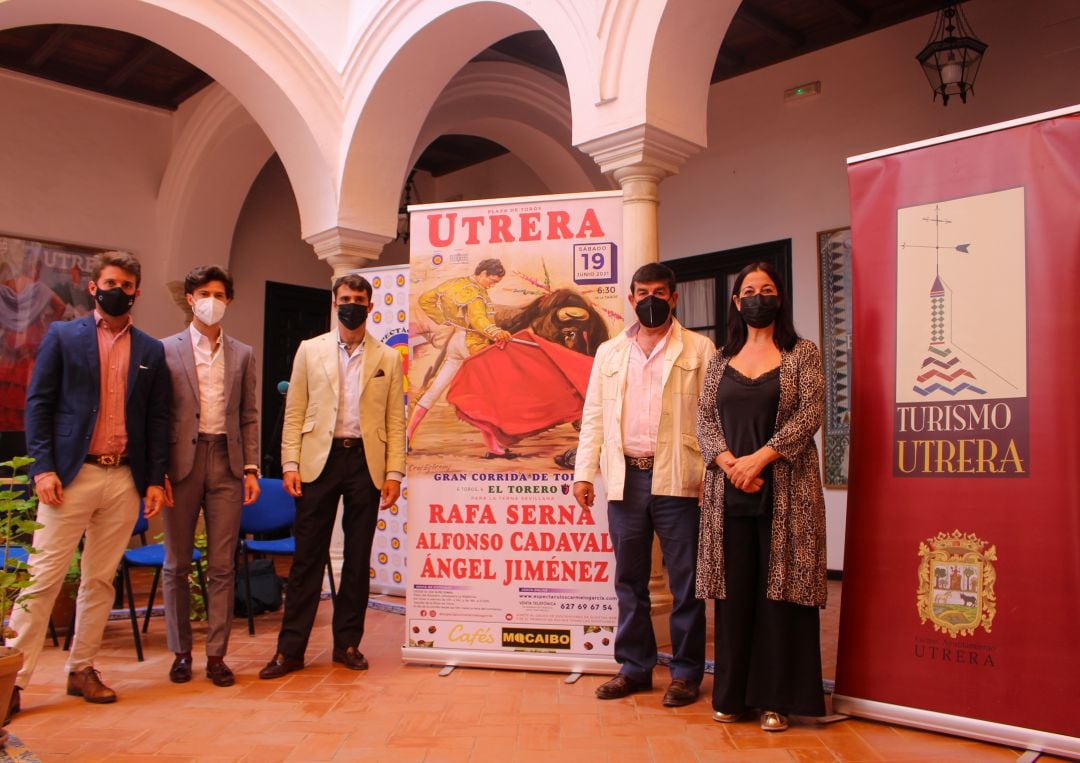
(209, 310)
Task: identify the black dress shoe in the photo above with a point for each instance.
(219, 673)
(621, 686)
(279, 666)
(681, 692)
(14, 706)
(180, 672)
(350, 658)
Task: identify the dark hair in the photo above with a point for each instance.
(204, 274)
(122, 260)
(784, 335)
(493, 267)
(654, 272)
(355, 282)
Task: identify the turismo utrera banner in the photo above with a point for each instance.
(388, 322)
(961, 572)
(508, 301)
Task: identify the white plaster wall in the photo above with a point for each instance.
(267, 247)
(777, 170)
(85, 169)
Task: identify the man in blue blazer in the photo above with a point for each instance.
(97, 426)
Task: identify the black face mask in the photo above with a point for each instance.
(114, 301)
(760, 310)
(653, 311)
(351, 315)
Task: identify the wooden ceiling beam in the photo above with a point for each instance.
(193, 84)
(770, 26)
(52, 43)
(135, 61)
(852, 12)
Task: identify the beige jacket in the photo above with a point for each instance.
(677, 467)
(311, 407)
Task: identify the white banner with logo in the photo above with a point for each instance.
(508, 301)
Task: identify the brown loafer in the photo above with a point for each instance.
(86, 683)
(279, 666)
(682, 691)
(621, 686)
(220, 674)
(351, 658)
(180, 672)
(14, 705)
(773, 721)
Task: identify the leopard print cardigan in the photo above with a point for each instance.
(797, 561)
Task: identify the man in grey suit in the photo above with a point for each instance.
(213, 457)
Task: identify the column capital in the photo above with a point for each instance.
(347, 249)
(643, 144)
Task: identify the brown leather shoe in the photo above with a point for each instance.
(621, 686)
(220, 673)
(14, 705)
(280, 666)
(86, 683)
(180, 672)
(681, 691)
(351, 658)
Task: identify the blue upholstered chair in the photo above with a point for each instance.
(273, 512)
(150, 555)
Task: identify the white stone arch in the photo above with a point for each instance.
(214, 162)
(523, 110)
(255, 53)
(401, 63)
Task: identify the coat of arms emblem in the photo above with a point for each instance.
(956, 583)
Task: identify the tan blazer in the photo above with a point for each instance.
(311, 407)
(241, 405)
(677, 467)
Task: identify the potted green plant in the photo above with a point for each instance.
(18, 506)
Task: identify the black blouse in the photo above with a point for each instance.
(747, 412)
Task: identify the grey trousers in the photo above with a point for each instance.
(211, 487)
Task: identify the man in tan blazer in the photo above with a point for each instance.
(213, 457)
(638, 428)
(343, 436)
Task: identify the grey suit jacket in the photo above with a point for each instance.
(241, 405)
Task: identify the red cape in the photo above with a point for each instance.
(522, 389)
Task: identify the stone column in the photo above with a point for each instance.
(639, 158)
(345, 251)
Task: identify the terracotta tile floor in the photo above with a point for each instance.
(409, 714)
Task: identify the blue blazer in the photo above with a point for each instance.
(65, 392)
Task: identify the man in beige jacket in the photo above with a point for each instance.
(638, 427)
(343, 436)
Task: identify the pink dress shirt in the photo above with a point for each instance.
(114, 357)
(643, 396)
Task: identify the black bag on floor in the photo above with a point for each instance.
(265, 588)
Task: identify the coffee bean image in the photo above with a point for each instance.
(431, 629)
(605, 641)
(588, 645)
(416, 629)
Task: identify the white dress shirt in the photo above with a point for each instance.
(210, 369)
(349, 368)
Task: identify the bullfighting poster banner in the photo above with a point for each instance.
(508, 301)
(388, 323)
(960, 574)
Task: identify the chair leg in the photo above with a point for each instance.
(247, 590)
(71, 628)
(131, 610)
(52, 633)
(150, 603)
(330, 580)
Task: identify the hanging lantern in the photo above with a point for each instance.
(952, 56)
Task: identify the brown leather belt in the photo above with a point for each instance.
(108, 460)
(348, 442)
(641, 463)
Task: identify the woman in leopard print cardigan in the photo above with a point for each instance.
(761, 553)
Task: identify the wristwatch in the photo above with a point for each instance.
(251, 471)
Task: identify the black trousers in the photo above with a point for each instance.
(345, 475)
(768, 653)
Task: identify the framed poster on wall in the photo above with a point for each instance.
(834, 272)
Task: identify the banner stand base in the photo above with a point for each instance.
(536, 661)
(572, 678)
(1032, 740)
